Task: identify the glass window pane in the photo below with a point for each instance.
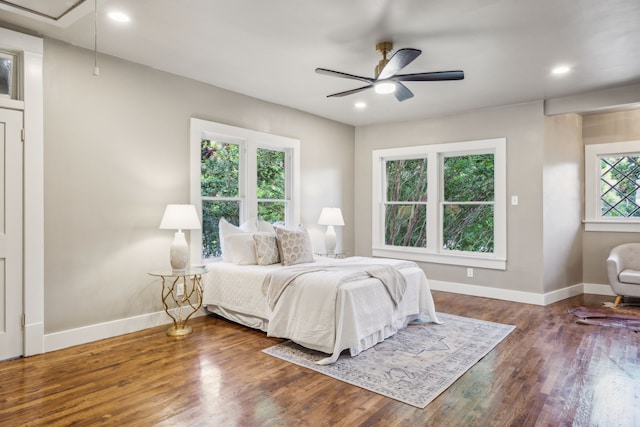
(468, 178)
(271, 211)
(271, 174)
(620, 186)
(212, 211)
(406, 225)
(468, 228)
(6, 76)
(406, 180)
(220, 166)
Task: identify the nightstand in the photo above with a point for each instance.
(184, 288)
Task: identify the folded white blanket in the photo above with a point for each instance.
(277, 281)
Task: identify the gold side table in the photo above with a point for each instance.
(184, 288)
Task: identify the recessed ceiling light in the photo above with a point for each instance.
(560, 69)
(119, 16)
(360, 105)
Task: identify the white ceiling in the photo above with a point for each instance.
(270, 49)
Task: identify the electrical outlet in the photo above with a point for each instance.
(469, 272)
(180, 289)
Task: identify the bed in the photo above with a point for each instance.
(328, 305)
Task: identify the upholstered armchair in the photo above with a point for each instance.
(623, 269)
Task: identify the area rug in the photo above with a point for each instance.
(413, 366)
(624, 316)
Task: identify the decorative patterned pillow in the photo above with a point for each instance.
(266, 248)
(294, 245)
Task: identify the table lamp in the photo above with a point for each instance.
(330, 217)
(180, 217)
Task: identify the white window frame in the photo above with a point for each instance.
(249, 141)
(434, 251)
(593, 220)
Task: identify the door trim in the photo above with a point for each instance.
(31, 51)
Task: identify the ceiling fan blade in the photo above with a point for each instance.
(398, 61)
(343, 75)
(402, 92)
(349, 92)
(429, 77)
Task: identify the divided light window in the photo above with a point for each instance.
(619, 186)
(240, 175)
(612, 187)
(442, 203)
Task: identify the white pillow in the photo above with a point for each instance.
(226, 229)
(266, 248)
(265, 227)
(240, 249)
(294, 245)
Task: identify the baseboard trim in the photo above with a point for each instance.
(99, 331)
(90, 333)
(596, 289)
(520, 296)
(33, 338)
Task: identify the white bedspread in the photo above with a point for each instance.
(358, 315)
(335, 275)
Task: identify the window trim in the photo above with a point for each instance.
(434, 252)
(593, 221)
(249, 141)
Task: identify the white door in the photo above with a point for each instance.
(11, 286)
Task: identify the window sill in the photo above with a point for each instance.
(628, 226)
(492, 263)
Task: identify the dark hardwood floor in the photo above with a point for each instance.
(550, 371)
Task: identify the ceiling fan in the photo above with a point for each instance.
(387, 80)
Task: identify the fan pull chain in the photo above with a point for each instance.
(96, 69)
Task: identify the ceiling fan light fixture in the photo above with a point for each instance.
(387, 79)
(385, 87)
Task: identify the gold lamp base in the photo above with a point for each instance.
(179, 331)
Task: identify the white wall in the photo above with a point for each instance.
(523, 126)
(117, 151)
(563, 203)
(602, 129)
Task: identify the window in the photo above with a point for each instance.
(612, 187)
(241, 175)
(468, 202)
(8, 75)
(405, 212)
(271, 190)
(443, 203)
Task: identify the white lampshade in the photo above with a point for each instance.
(180, 217)
(331, 216)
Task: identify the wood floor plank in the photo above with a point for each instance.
(550, 371)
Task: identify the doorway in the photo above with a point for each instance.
(11, 234)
